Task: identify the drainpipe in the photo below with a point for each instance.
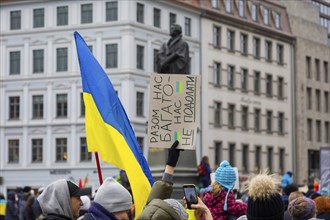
(293, 109)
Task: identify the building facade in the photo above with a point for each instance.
(42, 133)
(324, 9)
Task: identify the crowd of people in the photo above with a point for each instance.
(268, 197)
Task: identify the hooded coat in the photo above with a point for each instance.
(55, 201)
(98, 212)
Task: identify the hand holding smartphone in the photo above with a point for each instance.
(190, 194)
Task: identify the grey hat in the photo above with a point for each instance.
(179, 209)
(113, 196)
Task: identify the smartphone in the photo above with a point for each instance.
(190, 193)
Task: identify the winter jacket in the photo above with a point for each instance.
(156, 208)
(98, 212)
(216, 203)
(325, 215)
(286, 180)
(11, 208)
(55, 201)
(56, 217)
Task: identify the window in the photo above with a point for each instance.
(38, 61)
(85, 156)
(281, 123)
(14, 62)
(187, 25)
(62, 15)
(309, 98)
(270, 158)
(317, 69)
(244, 80)
(231, 40)
(310, 129)
(269, 124)
(172, 19)
(37, 150)
(214, 3)
(231, 116)
(318, 100)
(14, 107)
(232, 153)
(216, 36)
(218, 153)
(268, 52)
(326, 101)
(256, 82)
(308, 68)
(269, 85)
(281, 161)
(111, 55)
(15, 20)
(140, 104)
(61, 150)
(241, 5)
(140, 57)
(266, 16)
(157, 17)
(279, 54)
(61, 105)
(231, 77)
(155, 60)
(217, 114)
(38, 18)
(318, 131)
(245, 158)
(37, 106)
(61, 59)
(280, 88)
(82, 105)
(277, 20)
(140, 13)
(111, 11)
(254, 12)
(229, 6)
(217, 73)
(245, 118)
(256, 48)
(258, 158)
(326, 132)
(86, 13)
(13, 151)
(313, 162)
(244, 44)
(140, 141)
(257, 120)
(326, 69)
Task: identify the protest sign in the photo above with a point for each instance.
(173, 111)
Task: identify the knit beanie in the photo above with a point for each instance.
(264, 203)
(113, 196)
(302, 208)
(225, 176)
(179, 209)
(86, 203)
(290, 188)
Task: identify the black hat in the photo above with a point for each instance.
(75, 191)
(290, 188)
(26, 189)
(264, 203)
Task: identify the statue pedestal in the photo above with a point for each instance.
(185, 171)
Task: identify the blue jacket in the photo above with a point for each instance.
(286, 180)
(98, 212)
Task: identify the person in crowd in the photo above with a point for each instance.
(302, 208)
(286, 179)
(323, 207)
(28, 212)
(159, 204)
(286, 193)
(37, 212)
(265, 202)
(204, 171)
(111, 202)
(22, 201)
(3, 204)
(61, 200)
(220, 199)
(292, 197)
(124, 181)
(11, 208)
(85, 207)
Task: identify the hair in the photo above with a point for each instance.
(302, 207)
(322, 204)
(216, 188)
(205, 159)
(295, 195)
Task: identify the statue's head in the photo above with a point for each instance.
(175, 30)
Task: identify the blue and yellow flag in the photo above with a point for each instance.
(108, 130)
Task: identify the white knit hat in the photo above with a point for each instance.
(179, 209)
(113, 196)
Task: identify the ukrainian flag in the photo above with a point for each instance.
(108, 130)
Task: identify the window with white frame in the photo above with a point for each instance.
(37, 150)
(62, 59)
(111, 11)
(37, 106)
(256, 82)
(281, 121)
(244, 44)
(231, 77)
(157, 17)
(245, 158)
(241, 8)
(254, 12)
(14, 62)
(231, 40)
(85, 156)
(111, 56)
(217, 73)
(140, 57)
(269, 85)
(217, 114)
(269, 122)
(231, 116)
(13, 151)
(229, 6)
(244, 80)
(232, 153)
(172, 20)
(277, 20)
(268, 51)
(245, 118)
(140, 104)
(38, 17)
(216, 36)
(257, 120)
(38, 61)
(140, 13)
(61, 105)
(256, 47)
(14, 107)
(62, 15)
(280, 53)
(280, 88)
(86, 13)
(61, 149)
(15, 20)
(266, 16)
(270, 156)
(187, 25)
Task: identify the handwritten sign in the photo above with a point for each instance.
(173, 110)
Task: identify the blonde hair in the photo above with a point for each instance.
(216, 188)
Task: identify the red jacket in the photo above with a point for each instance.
(216, 203)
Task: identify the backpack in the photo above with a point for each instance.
(201, 170)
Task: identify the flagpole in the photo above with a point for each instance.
(99, 172)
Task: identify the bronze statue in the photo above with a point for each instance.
(173, 56)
